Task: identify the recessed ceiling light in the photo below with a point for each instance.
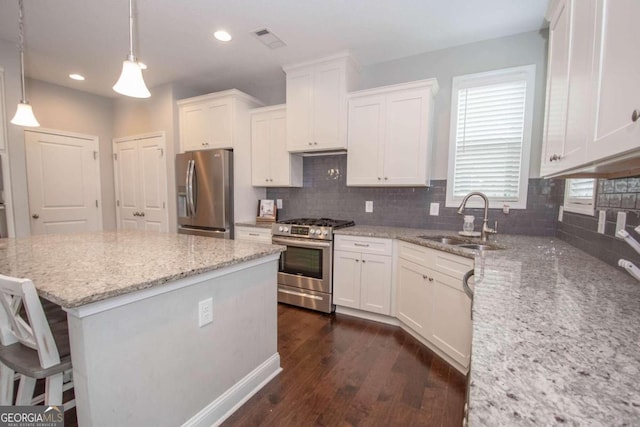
(142, 65)
(76, 76)
(222, 35)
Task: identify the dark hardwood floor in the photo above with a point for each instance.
(341, 371)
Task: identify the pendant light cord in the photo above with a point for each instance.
(131, 56)
(21, 31)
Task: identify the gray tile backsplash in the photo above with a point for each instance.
(325, 194)
(581, 230)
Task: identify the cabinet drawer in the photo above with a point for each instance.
(452, 265)
(253, 234)
(365, 245)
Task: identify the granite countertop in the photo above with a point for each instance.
(556, 336)
(76, 269)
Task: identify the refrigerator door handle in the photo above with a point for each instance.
(189, 186)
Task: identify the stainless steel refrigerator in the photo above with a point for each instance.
(204, 182)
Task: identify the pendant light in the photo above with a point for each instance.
(24, 114)
(131, 82)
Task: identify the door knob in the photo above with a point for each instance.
(35, 216)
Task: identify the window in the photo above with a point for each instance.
(490, 136)
(579, 195)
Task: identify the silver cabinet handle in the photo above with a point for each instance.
(363, 261)
(385, 178)
(311, 143)
(362, 245)
(315, 143)
(424, 277)
(635, 115)
(357, 260)
(379, 179)
(254, 234)
(35, 216)
(141, 213)
(135, 214)
(431, 279)
(555, 157)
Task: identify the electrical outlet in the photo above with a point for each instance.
(602, 219)
(621, 221)
(434, 209)
(560, 212)
(368, 206)
(505, 209)
(279, 203)
(205, 312)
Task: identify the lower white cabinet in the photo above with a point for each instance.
(362, 274)
(431, 300)
(252, 234)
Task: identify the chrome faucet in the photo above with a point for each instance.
(485, 227)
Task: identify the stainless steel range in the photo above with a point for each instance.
(306, 268)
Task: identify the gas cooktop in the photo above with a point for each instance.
(319, 222)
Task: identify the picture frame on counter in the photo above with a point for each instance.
(267, 211)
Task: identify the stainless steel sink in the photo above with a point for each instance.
(477, 246)
(446, 240)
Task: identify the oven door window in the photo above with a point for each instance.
(302, 262)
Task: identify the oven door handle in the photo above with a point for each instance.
(300, 243)
(300, 294)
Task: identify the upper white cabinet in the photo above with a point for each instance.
(317, 103)
(390, 133)
(592, 91)
(210, 121)
(271, 164)
(617, 82)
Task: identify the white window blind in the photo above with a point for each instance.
(489, 140)
(580, 190)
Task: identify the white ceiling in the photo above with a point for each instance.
(174, 37)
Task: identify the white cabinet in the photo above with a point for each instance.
(616, 84)
(317, 103)
(431, 301)
(592, 91)
(390, 133)
(211, 121)
(252, 234)
(271, 164)
(140, 171)
(362, 273)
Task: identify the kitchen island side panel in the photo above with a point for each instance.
(148, 362)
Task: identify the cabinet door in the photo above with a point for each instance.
(366, 140)
(407, 137)
(346, 279)
(413, 297)
(329, 107)
(557, 88)
(375, 284)
(299, 109)
(194, 127)
(220, 116)
(280, 158)
(617, 87)
(450, 317)
(260, 150)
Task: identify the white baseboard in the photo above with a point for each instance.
(220, 409)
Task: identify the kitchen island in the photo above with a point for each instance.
(132, 301)
(555, 332)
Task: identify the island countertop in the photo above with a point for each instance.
(555, 333)
(76, 269)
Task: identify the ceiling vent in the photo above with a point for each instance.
(269, 39)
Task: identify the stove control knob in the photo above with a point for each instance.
(286, 229)
(325, 232)
(318, 232)
(312, 231)
(281, 229)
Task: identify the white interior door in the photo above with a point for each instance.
(63, 177)
(141, 182)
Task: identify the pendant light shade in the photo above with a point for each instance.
(131, 83)
(24, 114)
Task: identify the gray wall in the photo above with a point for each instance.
(325, 194)
(522, 49)
(65, 109)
